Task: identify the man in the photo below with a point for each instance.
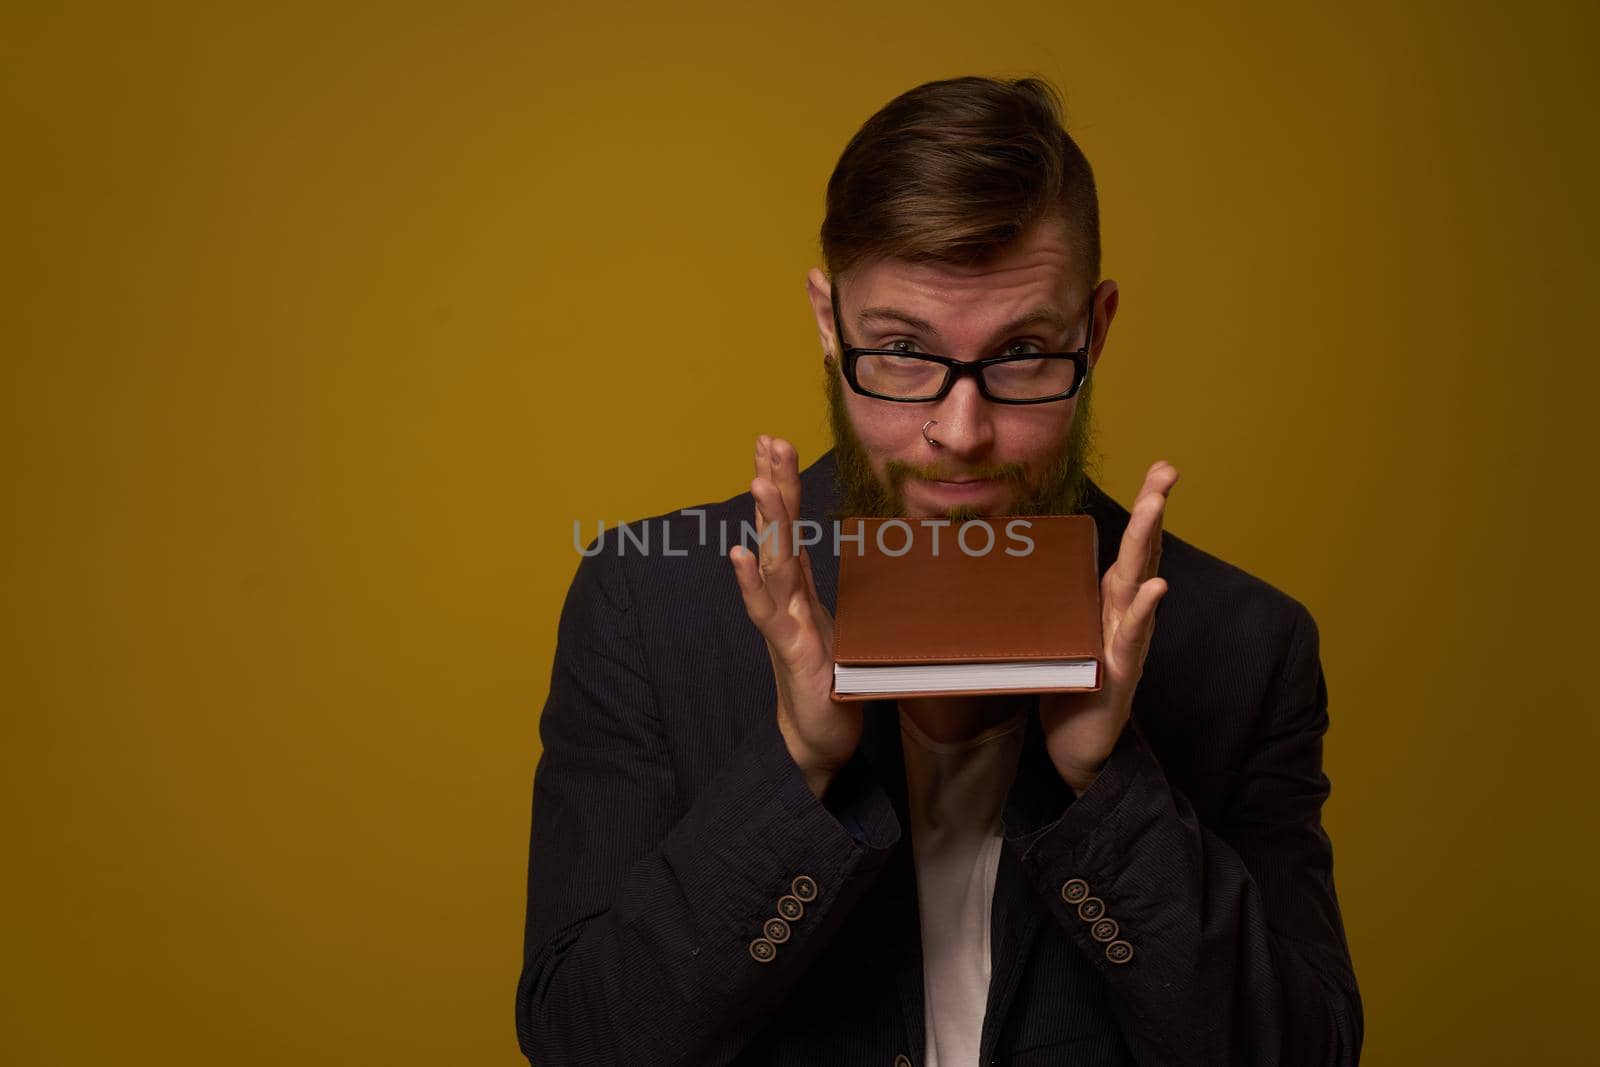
(727, 866)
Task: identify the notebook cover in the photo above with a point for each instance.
(959, 608)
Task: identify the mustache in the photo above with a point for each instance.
(1060, 481)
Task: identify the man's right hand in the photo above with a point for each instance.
(780, 596)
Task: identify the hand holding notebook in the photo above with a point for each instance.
(781, 600)
(1081, 729)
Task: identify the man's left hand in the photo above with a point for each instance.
(1082, 728)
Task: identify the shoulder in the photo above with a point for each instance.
(638, 547)
(662, 566)
(661, 595)
(683, 555)
(1230, 651)
(1207, 594)
(1219, 593)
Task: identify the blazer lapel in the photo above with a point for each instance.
(896, 890)
(1036, 795)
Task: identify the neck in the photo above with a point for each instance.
(952, 720)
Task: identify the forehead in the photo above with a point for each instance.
(1038, 270)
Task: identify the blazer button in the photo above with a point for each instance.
(1119, 952)
(790, 907)
(1091, 909)
(1104, 930)
(1074, 891)
(902, 1061)
(762, 950)
(775, 930)
(805, 888)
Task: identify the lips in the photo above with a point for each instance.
(932, 496)
(966, 487)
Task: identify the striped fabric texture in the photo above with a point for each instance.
(690, 901)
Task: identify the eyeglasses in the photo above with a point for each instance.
(922, 377)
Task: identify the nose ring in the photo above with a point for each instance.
(925, 437)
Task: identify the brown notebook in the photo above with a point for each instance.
(925, 616)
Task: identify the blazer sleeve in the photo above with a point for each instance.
(1225, 945)
(644, 909)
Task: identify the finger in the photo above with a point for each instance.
(819, 613)
(1133, 554)
(1140, 550)
(811, 581)
(778, 565)
(1158, 480)
(1132, 639)
(762, 467)
(784, 469)
(757, 600)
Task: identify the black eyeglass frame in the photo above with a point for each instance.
(956, 369)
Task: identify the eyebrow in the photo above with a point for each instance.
(1047, 316)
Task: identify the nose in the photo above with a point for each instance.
(966, 427)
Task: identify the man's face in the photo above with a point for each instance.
(991, 459)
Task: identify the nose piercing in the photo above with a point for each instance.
(925, 437)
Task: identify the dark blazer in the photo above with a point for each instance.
(670, 824)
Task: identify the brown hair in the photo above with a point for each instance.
(954, 171)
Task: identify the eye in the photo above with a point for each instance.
(902, 345)
(1022, 348)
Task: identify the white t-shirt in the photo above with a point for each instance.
(955, 793)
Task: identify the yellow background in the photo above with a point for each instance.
(321, 325)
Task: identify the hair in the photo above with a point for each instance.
(955, 171)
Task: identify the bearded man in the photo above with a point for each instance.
(729, 866)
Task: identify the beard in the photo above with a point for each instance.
(1058, 490)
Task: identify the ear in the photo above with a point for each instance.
(820, 291)
(1106, 296)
